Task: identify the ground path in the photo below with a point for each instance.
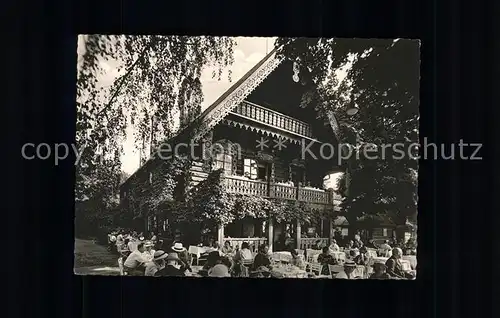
(94, 259)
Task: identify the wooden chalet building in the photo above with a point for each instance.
(264, 103)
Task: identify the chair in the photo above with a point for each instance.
(360, 271)
(247, 262)
(334, 270)
(195, 251)
(315, 267)
(406, 265)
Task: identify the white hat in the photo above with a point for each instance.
(178, 247)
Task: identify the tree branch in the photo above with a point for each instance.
(129, 71)
(127, 74)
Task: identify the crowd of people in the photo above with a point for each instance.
(141, 256)
(358, 256)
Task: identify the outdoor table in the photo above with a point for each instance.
(288, 272)
(412, 259)
(339, 255)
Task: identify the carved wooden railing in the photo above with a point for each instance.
(314, 196)
(273, 118)
(283, 192)
(307, 243)
(242, 186)
(235, 184)
(253, 242)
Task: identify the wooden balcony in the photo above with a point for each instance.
(272, 118)
(242, 185)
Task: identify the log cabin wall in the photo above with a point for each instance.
(248, 142)
(314, 169)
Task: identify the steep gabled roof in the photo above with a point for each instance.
(236, 94)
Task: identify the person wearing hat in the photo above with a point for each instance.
(219, 270)
(172, 267)
(379, 271)
(362, 258)
(183, 255)
(348, 273)
(157, 263)
(148, 251)
(213, 259)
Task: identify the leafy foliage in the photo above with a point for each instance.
(158, 80)
(210, 202)
(383, 80)
(156, 185)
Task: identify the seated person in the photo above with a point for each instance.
(212, 260)
(352, 255)
(135, 262)
(157, 263)
(358, 244)
(362, 258)
(262, 258)
(379, 271)
(350, 245)
(348, 273)
(334, 247)
(325, 259)
(173, 267)
(183, 254)
(385, 248)
(297, 260)
(244, 253)
(227, 249)
(394, 266)
(219, 270)
(371, 244)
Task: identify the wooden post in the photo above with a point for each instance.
(220, 235)
(298, 234)
(332, 231)
(270, 234)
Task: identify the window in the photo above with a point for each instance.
(225, 162)
(250, 168)
(262, 172)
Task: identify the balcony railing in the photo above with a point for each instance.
(236, 184)
(273, 118)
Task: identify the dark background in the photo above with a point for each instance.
(456, 204)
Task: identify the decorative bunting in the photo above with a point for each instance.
(261, 131)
